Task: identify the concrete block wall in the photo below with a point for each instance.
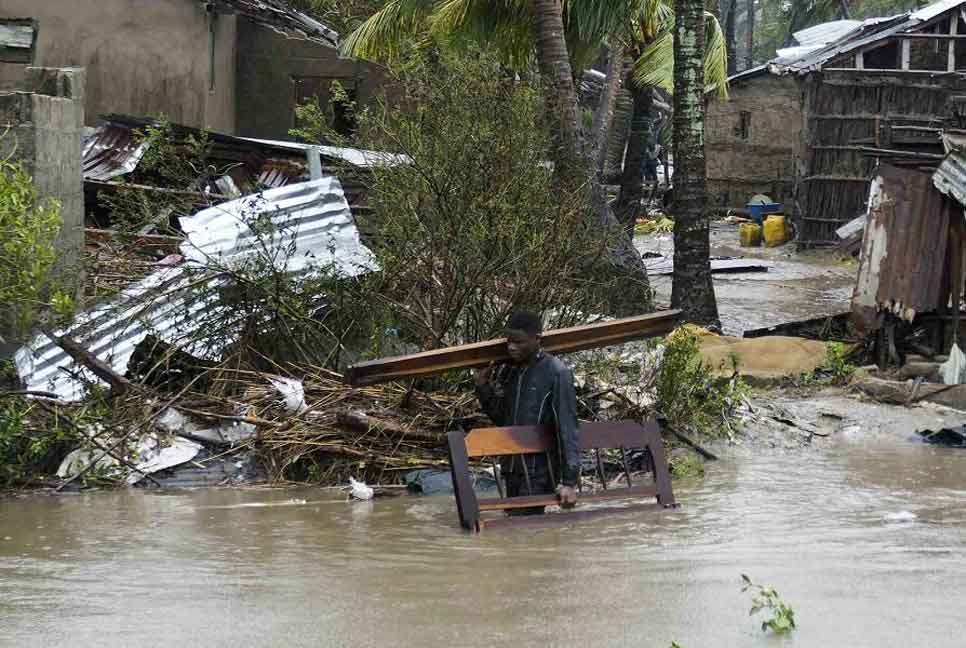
(43, 127)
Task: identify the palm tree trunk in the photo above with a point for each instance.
(604, 116)
(731, 42)
(554, 63)
(750, 56)
(640, 140)
(629, 290)
(620, 127)
(692, 289)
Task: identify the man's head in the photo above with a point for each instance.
(523, 334)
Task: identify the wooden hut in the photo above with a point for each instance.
(798, 127)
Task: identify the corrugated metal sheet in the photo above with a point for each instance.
(903, 249)
(357, 157)
(112, 150)
(950, 177)
(869, 31)
(311, 219)
(109, 152)
(826, 32)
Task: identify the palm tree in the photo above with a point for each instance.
(654, 68)
(517, 28)
(692, 289)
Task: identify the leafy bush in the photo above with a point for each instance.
(30, 445)
(28, 229)
(475, 224)
(170, 162)
(689, 396)
(836, 370)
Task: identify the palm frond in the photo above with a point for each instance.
(715, 57)
(504, 25)
(385, 33)
(655, 66)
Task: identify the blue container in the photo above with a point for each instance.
(758, 211)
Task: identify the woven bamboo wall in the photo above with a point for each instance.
(842, 108)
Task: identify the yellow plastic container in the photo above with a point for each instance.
(750, 234)
(775, 230)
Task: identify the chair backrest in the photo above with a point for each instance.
(528, 439)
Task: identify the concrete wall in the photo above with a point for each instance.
(755, 152)
(44, 130)
(143, 57)
(270, 67)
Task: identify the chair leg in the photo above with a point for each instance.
(459, 465)
(662, 475)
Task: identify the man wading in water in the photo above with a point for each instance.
(536, 389)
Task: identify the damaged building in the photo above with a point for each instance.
(797, 128)
(234, 66)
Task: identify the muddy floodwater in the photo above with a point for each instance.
(797, 285)
(864, 537)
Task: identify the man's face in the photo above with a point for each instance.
(521, 346)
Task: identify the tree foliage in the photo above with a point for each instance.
(475, 223)
(29, 225)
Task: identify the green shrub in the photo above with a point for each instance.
(689, 395)
(30, 445)
(169, 162)
(29, 227)
(475, 224)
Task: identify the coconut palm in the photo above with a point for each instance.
(650, 43)
(692, 289)
(561, 35)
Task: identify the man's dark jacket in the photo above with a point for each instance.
(540, 393)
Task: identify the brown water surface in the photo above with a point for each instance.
(865, 539)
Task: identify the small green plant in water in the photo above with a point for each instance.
(782, 620)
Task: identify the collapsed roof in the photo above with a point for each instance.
(278, 15)
(828, 42)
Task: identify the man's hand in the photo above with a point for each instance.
(482, 376)
(567, 495)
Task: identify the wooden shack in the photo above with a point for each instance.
(798, 127)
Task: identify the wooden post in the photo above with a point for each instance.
(956, 272)
(860, 60)
(905, 54)
(953, 26)
(459, 465)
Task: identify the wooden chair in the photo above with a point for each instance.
(528, 439)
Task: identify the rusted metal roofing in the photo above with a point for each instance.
(950, 177)
(904, 247)
(114, 149)
(109, 152)
(277, 14)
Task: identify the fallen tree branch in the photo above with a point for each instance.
(119, 384)
(707, 454)
(127, 435)
(93, 440)
(29, 392)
